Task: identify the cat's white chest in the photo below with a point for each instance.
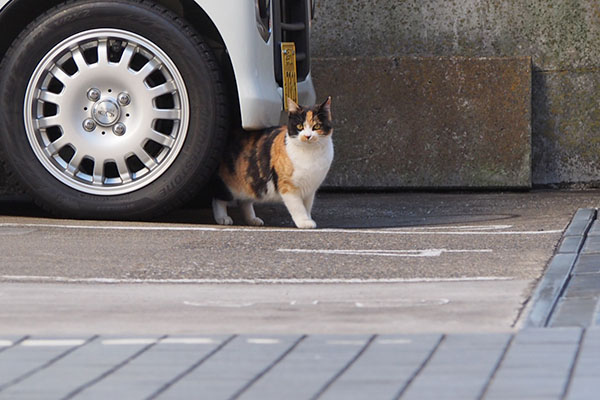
(311, 163)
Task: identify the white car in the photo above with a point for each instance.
(119, 109)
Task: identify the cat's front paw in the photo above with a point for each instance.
(255, 222)
(224, 220)
(306, 224)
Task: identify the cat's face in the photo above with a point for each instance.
(309, 124)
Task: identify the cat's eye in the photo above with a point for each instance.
(316, 127)
(300, 127)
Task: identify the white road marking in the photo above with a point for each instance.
(462, 227)
(62, 279)
(384, 253)
(217, 304)
(346, 342)
(6, 343)
(263, 341)
(393, 231)
(52, 342)
(190, 340)
(403, 303)
(394, 341)
(128, 342)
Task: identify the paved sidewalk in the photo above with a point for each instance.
(569, 292)
(543, 363)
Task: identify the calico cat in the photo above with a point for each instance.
(282, 164)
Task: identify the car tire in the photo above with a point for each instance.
(111, 110)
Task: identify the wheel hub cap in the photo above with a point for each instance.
(106, 112)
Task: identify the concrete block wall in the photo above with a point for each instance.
(429, 122)
(561, 37)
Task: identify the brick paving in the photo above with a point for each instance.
(534, 363)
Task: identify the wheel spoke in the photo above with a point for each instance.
(46, 122)
(166, 113)
(75, 162)
(123, 170)
(161, 139)
(79, 60)
(61, 75)
(127, 55)
(98, 172)
(50, 97)
(148, 68)
(146, 159)
(103, 52)
(165, 88)
(54, 147)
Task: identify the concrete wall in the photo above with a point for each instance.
(561, 36)
(429, 122)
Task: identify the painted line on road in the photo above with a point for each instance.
(460, 227)
(146, 341)
(61, 279)
(392, 231)
(262, 341)
(394, 341)
(200, 340)
(384, 253)
(217, 304)
(129, 341)
(6, 343)
(52, 342)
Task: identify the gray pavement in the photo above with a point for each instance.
(412, 296)
(321, 308)
(542, 363)
(569, 292)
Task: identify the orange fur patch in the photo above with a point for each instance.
(236, 181)
(282, 164)
(309, 118)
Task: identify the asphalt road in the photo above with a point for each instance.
(378, 263)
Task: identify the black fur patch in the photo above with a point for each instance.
(259, 169)
(323, 117)
(295, 119)
(233, 149)
(219, 189)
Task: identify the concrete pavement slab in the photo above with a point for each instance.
(549, 289)
(574, 311)
(570, 244)
(585, 383)
(569, 291)
(147, 371)
(537, 364)
(32, 355)
(591, 245)
(79, 369)
(587, 263)
(385, 368)
(461, 367)
(548, 363)
(309, 369)
(227, 373)
(586, 285)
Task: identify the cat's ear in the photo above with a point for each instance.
(326, 106)
(292, 106)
